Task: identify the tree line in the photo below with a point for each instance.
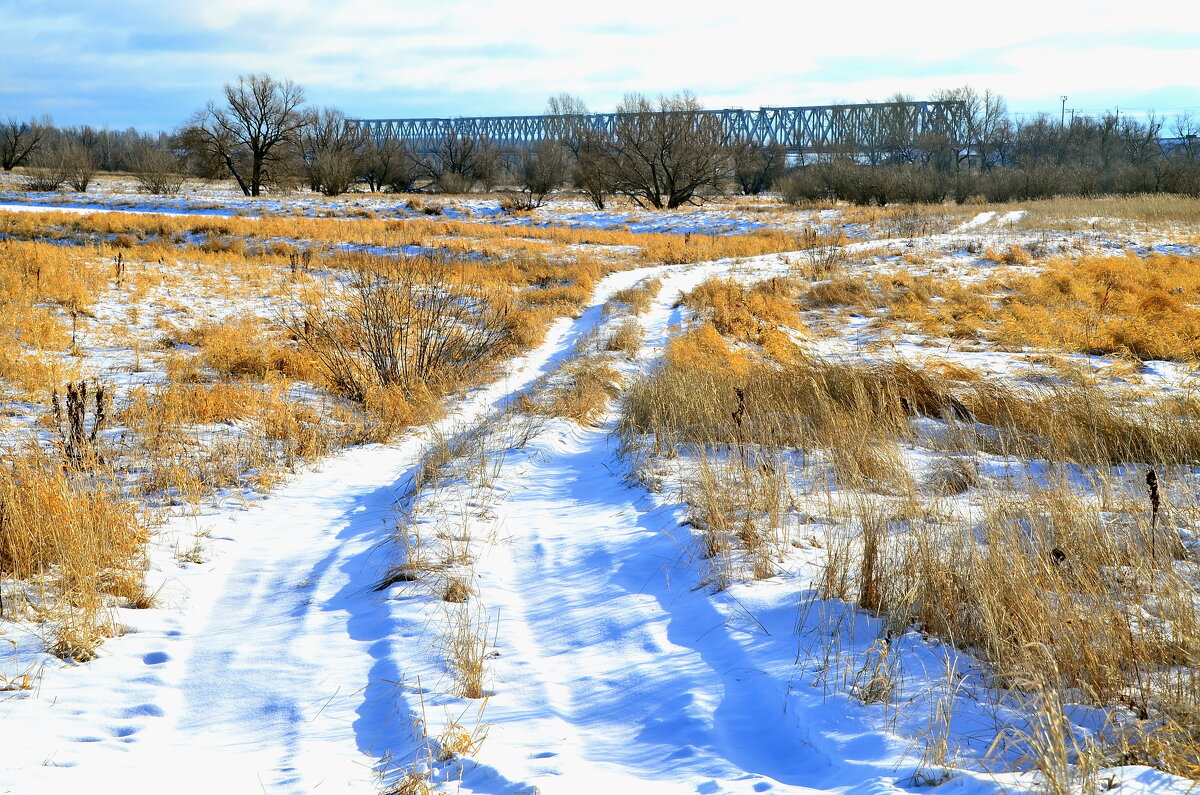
(662, 153)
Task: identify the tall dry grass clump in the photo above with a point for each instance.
(45, 291)
(640, 297)
(1077, 421)
(692, 399)
(582, 392)
(243, 346)
(739, 505)
(74, 534)
(1074, 212)
(1141, 307)
(625, 338)
(1059, 596)
(744, 312)
(708, 392)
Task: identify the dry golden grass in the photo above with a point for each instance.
(1065, 593)
(738, 503)
(938, 307)
(45, 291)
(1013, 255)
(694, 398)
(915, 219)
(75, 534)
(1141, 307)
(625, 338)
(259, 237)
(857, 410)
(465, 647)
(746, 313)
(1077, 211)
(639, 297)
(1079, 422)
(243, 346)
(583, 395)
(839, 292)
(1055, 594)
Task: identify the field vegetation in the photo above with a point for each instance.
(975, 425)
(1022, 519)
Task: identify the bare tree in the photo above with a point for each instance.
(569, 121)
(459, 162)
(986, 124)
(755, 166)
(256, 132)
(333, 151)
(1186, 129)
(20, 139)
(896, 136)
(544, 169)
(389, 164)
(665, 154)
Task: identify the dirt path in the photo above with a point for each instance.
(269, 668)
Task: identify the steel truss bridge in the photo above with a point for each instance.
(810, 129)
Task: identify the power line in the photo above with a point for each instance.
(1085, 111)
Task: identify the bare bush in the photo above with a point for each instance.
(78, 165)
(48, 170)
(459, 163)
(543, 170)
(414, 325)
(158, 171)
(389, 164)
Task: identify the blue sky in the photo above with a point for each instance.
(150, 64)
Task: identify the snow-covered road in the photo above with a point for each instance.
(277, 667)
(269, 668)
(614, 670)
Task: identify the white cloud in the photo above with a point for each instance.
(393, 57)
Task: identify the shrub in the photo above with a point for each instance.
(76, 532)
(415, 325)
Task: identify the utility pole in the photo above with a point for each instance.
(1062, 120)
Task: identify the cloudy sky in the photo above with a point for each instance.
(149, 63)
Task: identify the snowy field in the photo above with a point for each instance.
(548, 577)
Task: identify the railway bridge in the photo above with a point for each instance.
(801, 130)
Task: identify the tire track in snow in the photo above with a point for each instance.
(614, 672)
(604, 678)
(272, 667)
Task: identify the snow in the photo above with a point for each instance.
(277, 666)
(271, 664)
(978, 220)
(991, 218)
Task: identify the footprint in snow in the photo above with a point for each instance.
(144, 711)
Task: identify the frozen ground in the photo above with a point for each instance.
(279, 666)
(218, 200)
